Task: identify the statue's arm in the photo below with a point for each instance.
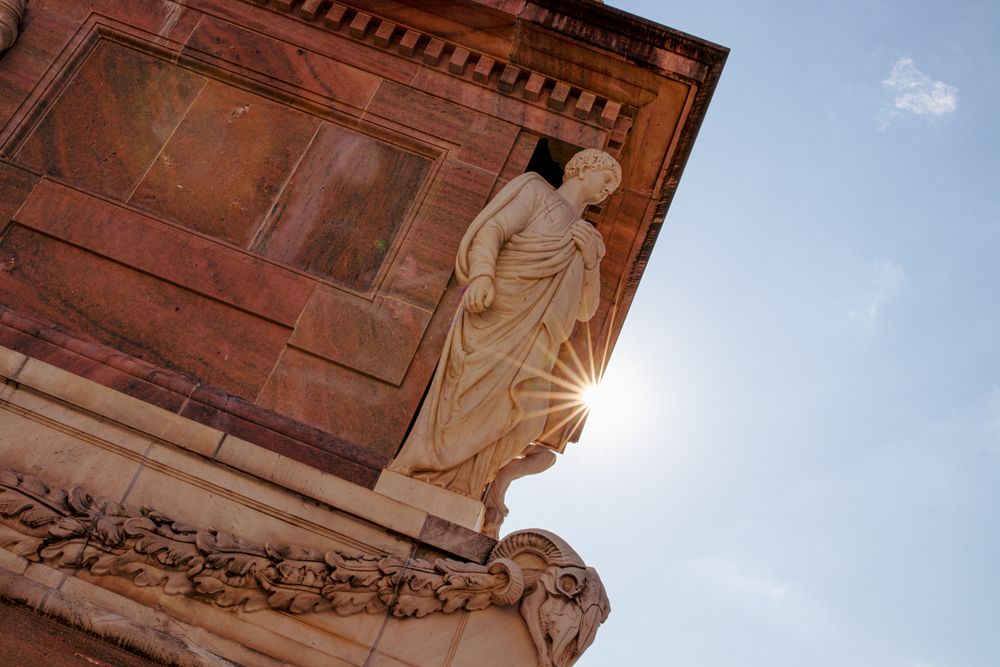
(488, 242)
(590, 296)
(491, 237)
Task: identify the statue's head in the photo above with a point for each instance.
(600, 173)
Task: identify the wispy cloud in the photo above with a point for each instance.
(887, 279)
(729, 579)
(915, 93)
(783, 607)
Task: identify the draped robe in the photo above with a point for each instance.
(487, 400)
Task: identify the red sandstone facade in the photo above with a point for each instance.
(246, 212)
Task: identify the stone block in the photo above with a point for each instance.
(226, 163)
(129, 310)
(340, 215)
(450, 506)
(427, 642)
(112, 119)
(284, 64)
(56, 447)
(114, 405)
(333, 491)
(497, 631)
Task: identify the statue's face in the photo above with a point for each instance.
(597, 185)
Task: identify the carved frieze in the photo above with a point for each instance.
(562, 600)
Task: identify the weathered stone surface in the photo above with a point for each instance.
(15, 186)
(342, 229)
(254, 144)
(111, 121)
(133, 312)
(140, 241)
(32, 639)
(483, 140)
(284, 64)
(561, 600)
(11, 12)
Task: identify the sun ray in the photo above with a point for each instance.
(554, 379)
(594, 378)
(552, 409)
(577, 376)
(580, 411)
(580, 377)
(607, 342)
(567, 395)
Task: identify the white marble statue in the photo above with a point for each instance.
(532, 269)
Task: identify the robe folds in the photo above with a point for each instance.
(487, 400)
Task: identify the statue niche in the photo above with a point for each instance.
(532, 267)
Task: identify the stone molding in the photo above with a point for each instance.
(11, 13)
(562, 600)
(431, 51)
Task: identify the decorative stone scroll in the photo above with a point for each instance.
(561, 599)
(11, 13)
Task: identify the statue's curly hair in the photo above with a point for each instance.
(592, 159)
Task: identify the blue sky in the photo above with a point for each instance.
(797, 463)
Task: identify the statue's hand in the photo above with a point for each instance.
(588, 241)
(480, 294)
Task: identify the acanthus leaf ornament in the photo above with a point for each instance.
(561, 599)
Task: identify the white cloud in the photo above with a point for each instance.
(913, 92)
(887, 278)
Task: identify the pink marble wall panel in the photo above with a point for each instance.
(427, 257)
(224, 166)
(481, 140)
(344, 207)
(111, 120)
(154, 320)
(284, 62)
(377, 337)
(162, 250)
(351, 406)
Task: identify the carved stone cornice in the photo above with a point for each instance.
(561, 599)
(11, 13)
(431, 51)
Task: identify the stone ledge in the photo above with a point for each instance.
(452, 507)
(22, 373)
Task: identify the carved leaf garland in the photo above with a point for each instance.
(562, 600)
